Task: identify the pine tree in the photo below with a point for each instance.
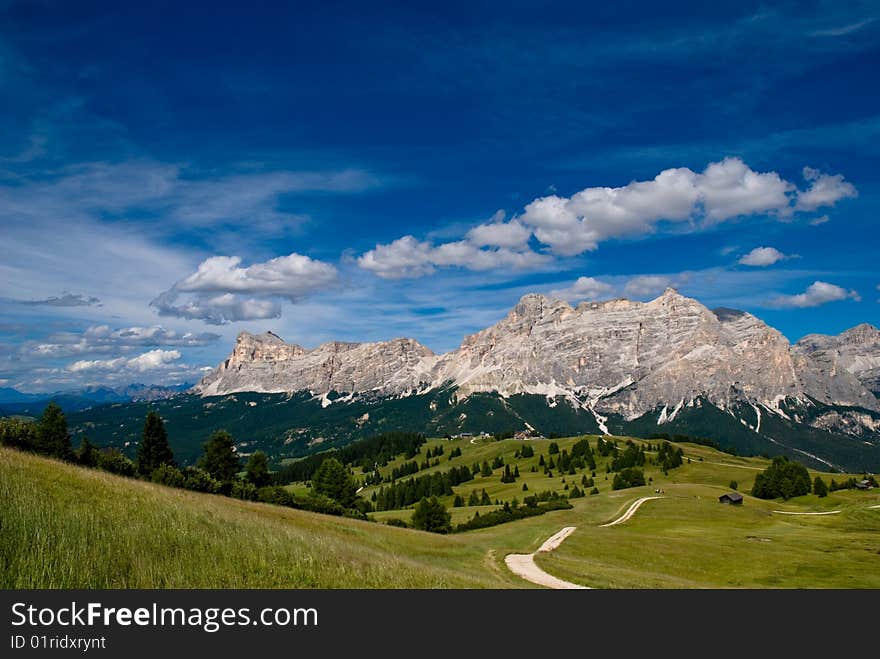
(333, 480)
(485, 470)
(485, 500)
(219, 458)
(153, 450)
(431, 515)
(257, 469)
(52, 436)
(819, 487)
(473, 499)
(87, 455)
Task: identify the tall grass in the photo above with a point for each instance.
(62, 526)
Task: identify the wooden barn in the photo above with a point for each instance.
(734, 498)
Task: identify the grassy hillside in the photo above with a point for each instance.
(67, 527)
(63, 526)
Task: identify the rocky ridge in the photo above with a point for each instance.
(616, 357)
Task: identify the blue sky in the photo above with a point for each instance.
(170, 176)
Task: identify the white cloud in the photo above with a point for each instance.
(148, 361)
(407, 257)
(763, 256)
(292, 277)
(817, 294)
(730, 188)
(584, 288)
(822, 219)
(512, 235)
(824, 190)
(568, 226)
(220, 291)
(724, 190)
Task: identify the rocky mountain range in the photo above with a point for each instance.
(618, 357)
(620, 366)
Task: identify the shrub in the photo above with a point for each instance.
(199, 480)
(167, 474)
(242, 489)
(112, 460)
(274, 494)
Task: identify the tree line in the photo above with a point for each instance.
(409, 491)
(368, 454)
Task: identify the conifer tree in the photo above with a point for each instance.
(52, 435)
(153, 450)
(219, 458)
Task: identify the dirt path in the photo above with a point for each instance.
(789, 512)
(630, 512)
(524, 565)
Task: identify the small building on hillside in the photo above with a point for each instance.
(863, 485)
(734, 498)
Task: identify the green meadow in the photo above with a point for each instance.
(67, 527)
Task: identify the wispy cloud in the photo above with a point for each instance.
(841, 30)
(64, 300)
(102, 339)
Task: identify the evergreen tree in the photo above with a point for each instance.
(458, 502)
(473, 499)
(431, 515)
(52, 436)
(485, 470)
(525, 488)
(257, 469)
(219, 459)
(333, 480)
(541, 462)
(485, 500)
(87, 455)
(819, 487)
(153, 450)
(553, 449)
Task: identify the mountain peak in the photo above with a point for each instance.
(862, 332)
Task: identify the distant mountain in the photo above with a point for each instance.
(9, 395)
(16, 402)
